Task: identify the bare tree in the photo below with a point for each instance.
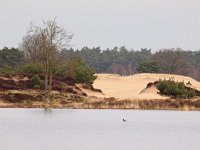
(171, 61)
(41, 44)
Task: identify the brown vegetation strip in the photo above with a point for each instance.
(169, 104)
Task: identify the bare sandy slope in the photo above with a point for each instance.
(133, 87)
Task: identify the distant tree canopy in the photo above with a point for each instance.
(172, 61)
(10, 58)
(148, 66)
(118, 60)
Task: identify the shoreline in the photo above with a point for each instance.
(169, 104)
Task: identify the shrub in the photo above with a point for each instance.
(84, 74)
(33, 68)
(6, 69)
(35, 81)
(78, 70)
(175, 89)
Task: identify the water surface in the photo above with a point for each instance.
(35, 129)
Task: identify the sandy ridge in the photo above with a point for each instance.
(130, 87)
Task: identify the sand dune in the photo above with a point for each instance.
(133, 87)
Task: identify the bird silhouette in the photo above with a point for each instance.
(124, 120)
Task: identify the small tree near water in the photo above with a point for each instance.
(41, 44)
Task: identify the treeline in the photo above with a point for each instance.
(123, 61)
(14, 61)
(115, 61)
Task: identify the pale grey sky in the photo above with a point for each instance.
(136, 24)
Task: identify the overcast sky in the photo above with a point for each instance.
(136, 24)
